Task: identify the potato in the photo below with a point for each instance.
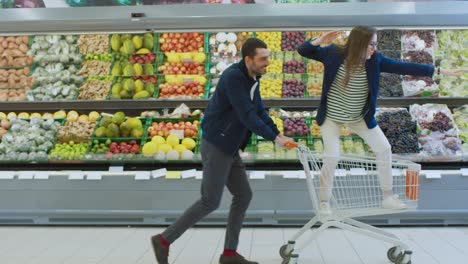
(26, 40)
(22, 97)
(23, 48)
(26, 71)
(18, 40)
(12, 46)
(11, 81)
(11, 93)
(5, 44)
(10, 39)
(16, 52)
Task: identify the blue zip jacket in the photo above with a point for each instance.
(332, 60)
(235, 111)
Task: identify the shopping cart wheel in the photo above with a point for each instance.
(292, 260)
(393, 254)
(284, 252)
(404, 258)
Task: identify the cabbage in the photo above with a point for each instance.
(41, 155)
(172, 155)
(12, 155)
(23, 156)
(15, 128)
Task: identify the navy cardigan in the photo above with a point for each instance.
(332, 60)
(235, 111)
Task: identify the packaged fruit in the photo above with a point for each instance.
(295, 127)
(182, 42)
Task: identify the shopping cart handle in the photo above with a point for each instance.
(290, 145)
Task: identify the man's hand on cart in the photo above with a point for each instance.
(285, 142)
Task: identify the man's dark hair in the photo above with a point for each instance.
(250, 47)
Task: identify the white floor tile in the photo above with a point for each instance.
(440, 250)
(117, 245)
(420, 254)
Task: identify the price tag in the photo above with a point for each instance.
(178, 133)
(357, 171)
(290, 175)
(188, 173)
(257, 175)
(94, 175)
(7, 175)
(76, 175)
(42, 175)
(116, 168)
(464, 171)
(142, 175)
(199, 175)
(159, 173)
(340, 173)
(433, 174)
(173, 175)
(25, 175)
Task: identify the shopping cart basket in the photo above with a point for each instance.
(356, 192)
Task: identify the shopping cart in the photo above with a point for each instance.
(356, 192)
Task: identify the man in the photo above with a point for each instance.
(234, 111)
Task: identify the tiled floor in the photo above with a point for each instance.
(118, 245)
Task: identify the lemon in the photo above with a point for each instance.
(158, 140)
(60, 114)
(172, 140)
(189, 143)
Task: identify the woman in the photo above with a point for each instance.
(349, 97)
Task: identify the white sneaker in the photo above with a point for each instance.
(393, 202)
(325, 208)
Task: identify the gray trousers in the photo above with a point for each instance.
(219, 170)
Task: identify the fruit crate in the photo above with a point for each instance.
(35, 65)
(111, 96)
(308, 122)
(316, 144)
(273, 41)
(155, 48)
(176, 121)
(144, 121)
(315, 67)
(314, 82)
(355, 141)
(195, 159)
(294, 56)
(100, 157)
(75, 97)
(187, 79)
(299, 77)
(295, 43)
(95, 57)
(266, 80)
(157, 36)
(276, 63)
(120, 58)
(277, 153)
(161, 59)
(32, 40)
(211, 42)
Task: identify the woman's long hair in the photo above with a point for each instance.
(355, 49)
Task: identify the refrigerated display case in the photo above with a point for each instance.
(89, 187)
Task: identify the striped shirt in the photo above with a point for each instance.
(346, 104)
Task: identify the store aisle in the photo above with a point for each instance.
(120, 245)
